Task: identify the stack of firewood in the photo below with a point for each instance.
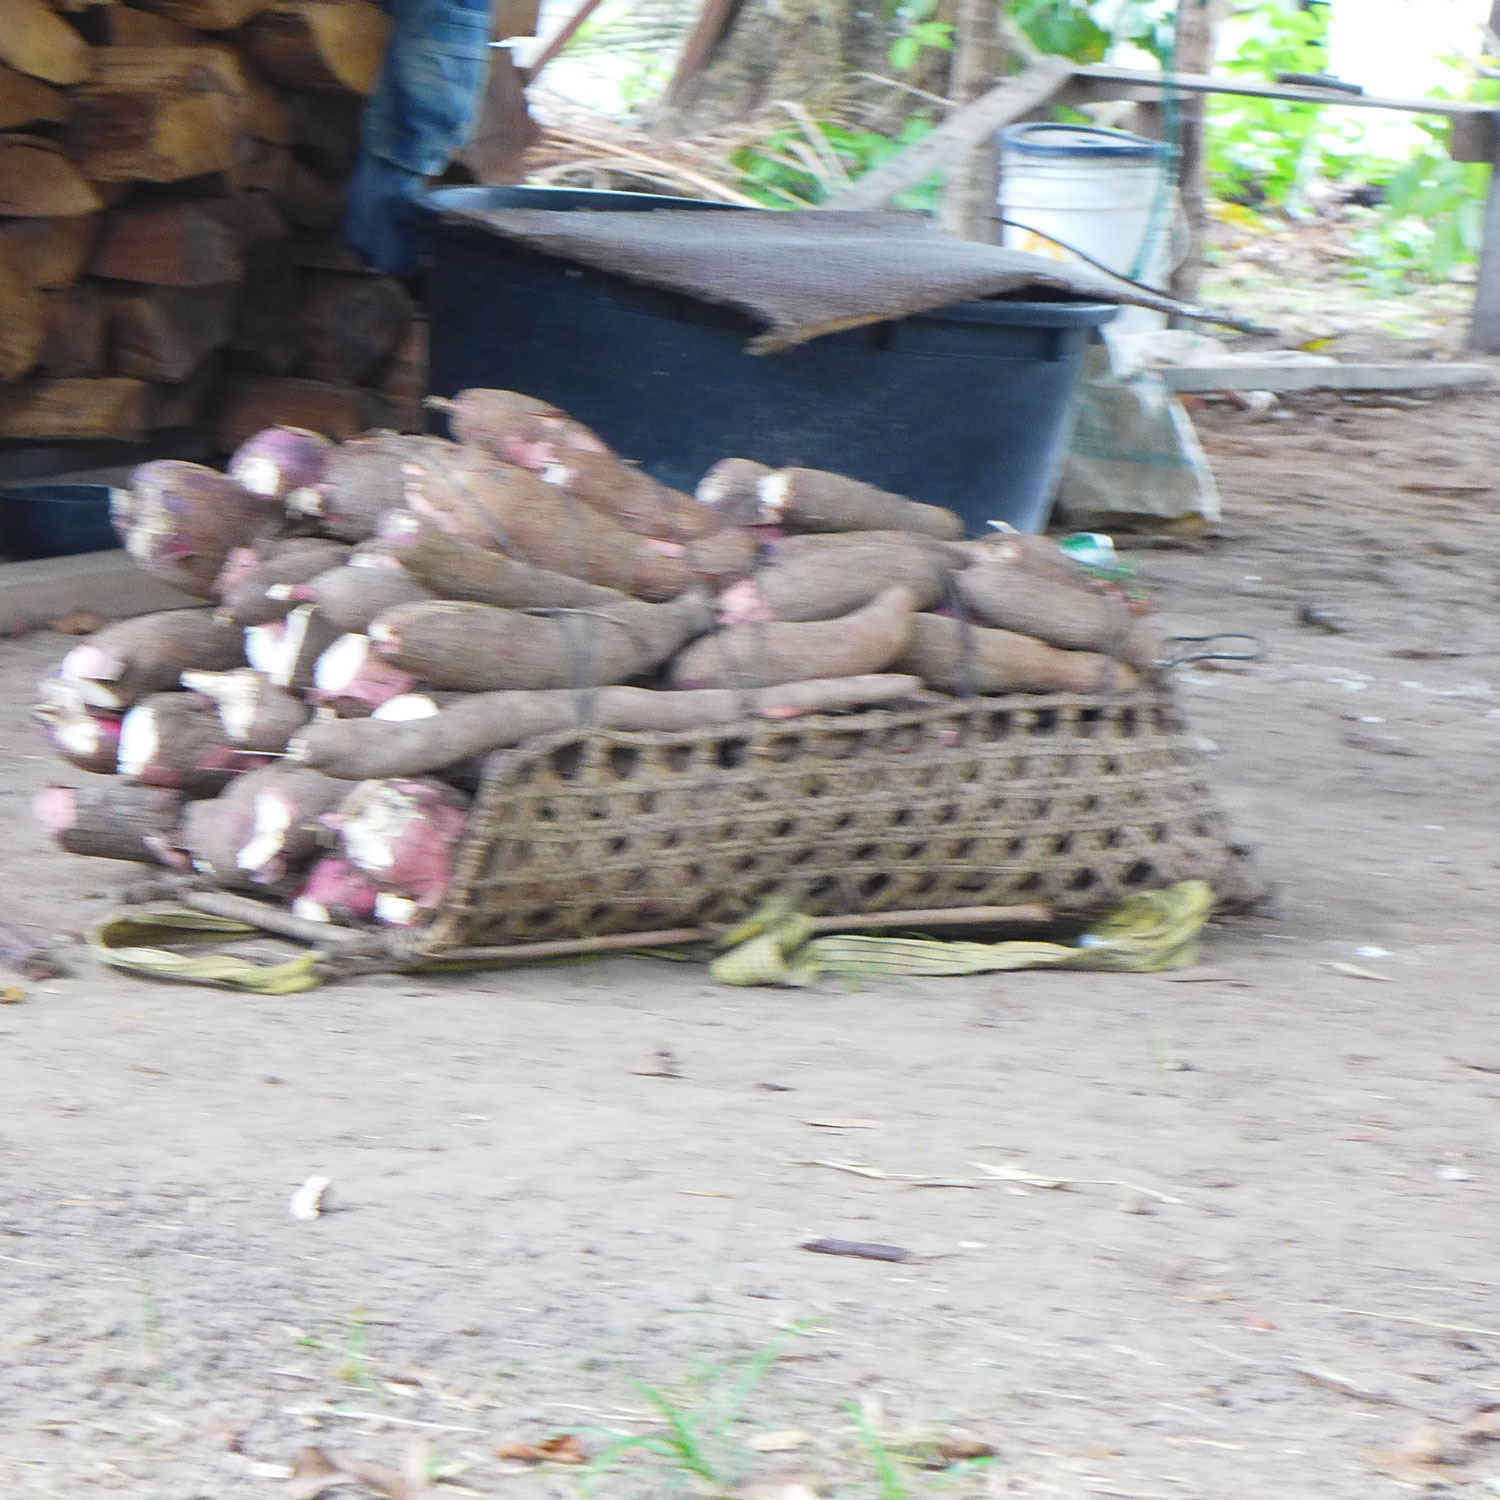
(172, 179)
(386, 613)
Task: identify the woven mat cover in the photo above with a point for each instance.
(800, 274)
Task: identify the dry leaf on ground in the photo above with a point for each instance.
(1483, 1424)
(317, 1472)
(565, 1448)
(1417, 1460)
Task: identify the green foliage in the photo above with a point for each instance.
(1073, 28)
(799, 165)
(1263, 150)
(1432, 221)
(918, 33)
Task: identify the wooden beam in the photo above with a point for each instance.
(964, 129)
(1292, 377)
(1098, 82)
(1484, 329)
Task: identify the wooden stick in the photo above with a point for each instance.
(964, 128)
(570, 29)
(283, 923)
(670, 937)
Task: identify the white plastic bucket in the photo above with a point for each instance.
(1099, 191)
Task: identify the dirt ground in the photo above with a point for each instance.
(1272, 1271)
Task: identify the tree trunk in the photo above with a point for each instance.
(1197, 30)
(798, 50)
(978, 57)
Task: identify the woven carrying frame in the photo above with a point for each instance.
(1077, 801)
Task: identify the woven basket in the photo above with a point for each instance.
(1072, 801)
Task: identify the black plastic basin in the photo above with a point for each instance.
(964, 407)
(55, 520)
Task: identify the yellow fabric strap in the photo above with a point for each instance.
(127, 941)
(1153, 931)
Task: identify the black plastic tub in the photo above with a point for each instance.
(55, 520)
(964, 407)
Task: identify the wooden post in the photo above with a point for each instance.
(1484, 330)
(969, 194)
(1197, 27)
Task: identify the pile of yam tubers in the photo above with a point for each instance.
(385, 613)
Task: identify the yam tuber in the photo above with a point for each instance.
(513, 511)
(279, 460)
(731, 489)
(822, 583)
(362, 480)
(125, 661)
(478, 648)
(287, 651)
(368, 585)
(956, 657)
(455, 569)
(522, 430)
(402, 832)
(85, 737)
(608, 484)
(180, 521)
(249, 572)
(114, 820)
(214, 831)
(868, 640)
(812, 500)
(335, 891)
(477, 724)
(1015, 598)
(287, 807)
(177, 740)
(352, 681)
(256, 714)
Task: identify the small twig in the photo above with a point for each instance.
(374, 1416)
(1332, 1382)
(1362, 1312)
(1035, 1179)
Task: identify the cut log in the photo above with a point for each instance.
(404, 379)
(48, 252)
(25, 100)
(74, 341)
(38, 182)
(265, 169)
(326, 250)
(165, 332)
(34, 40)
(252, 403)
(352, 324)
(160, 114)
(250, 217)
(319, 44)
(182, 405)
(325, 128)
(22, 325)
(265, 108)
(207, 15)
(124, 26)
(267, 330)
(66, 411)
(308, 200)
(173, 244)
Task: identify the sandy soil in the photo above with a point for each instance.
(1276, 1258)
